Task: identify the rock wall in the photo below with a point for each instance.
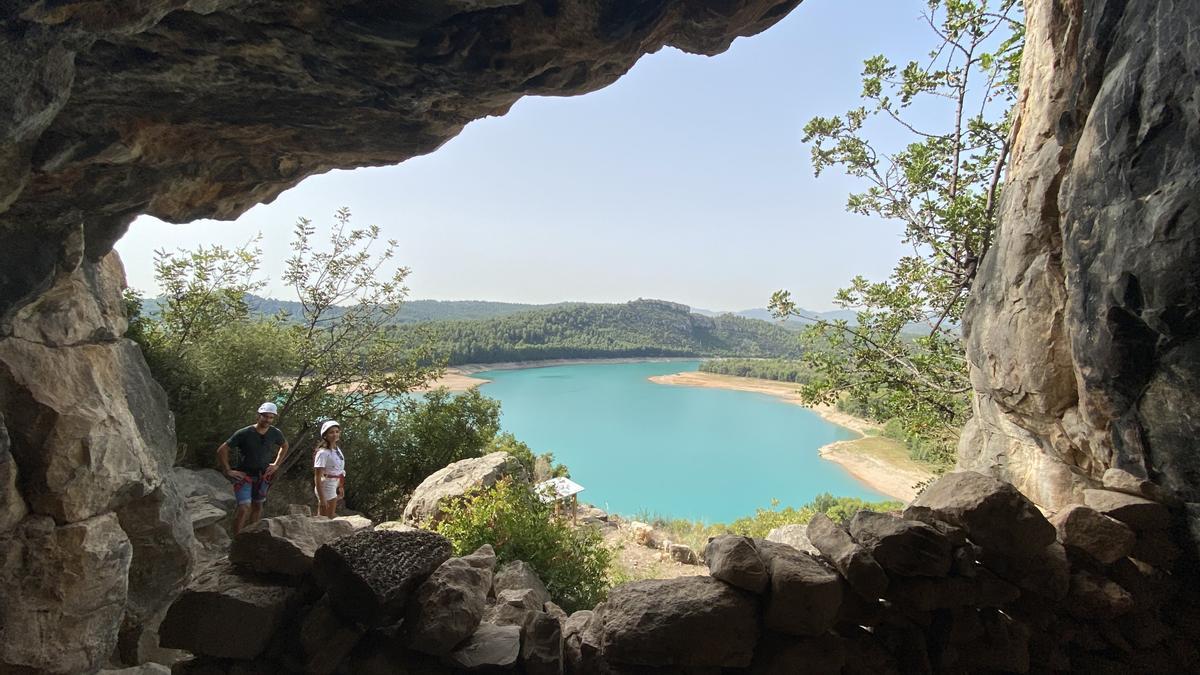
(1084, 330)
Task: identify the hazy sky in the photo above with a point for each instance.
(686, 180)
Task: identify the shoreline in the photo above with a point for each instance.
(462, 378)
(889, 475)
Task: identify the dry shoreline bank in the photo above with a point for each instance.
(873, 461)
(461, 378)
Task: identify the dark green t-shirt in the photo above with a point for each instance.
(256, 451)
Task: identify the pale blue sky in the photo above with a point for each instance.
(686, 180)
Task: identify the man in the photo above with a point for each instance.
(256, 444)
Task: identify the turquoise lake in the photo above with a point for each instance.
(687, 452)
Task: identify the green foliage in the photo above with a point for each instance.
(766, 369)
(578, 330)
(840, 509)
(573, 563)
(538, 467)
(333, 359)
(696, 533)
(943, 186)
(393, 450)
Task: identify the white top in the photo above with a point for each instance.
(332, 461)
(557, 488)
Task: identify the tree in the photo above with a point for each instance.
(333, 359)
(943, 186)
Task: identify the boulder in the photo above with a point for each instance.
(994, 513)
(1157, 548)
(447, 607)
(207, 485)
(144, 669)
(1123, 481)
(865, 575)
(299, 510)
(370, 574)
(65, 590)
(542, 645)
(1095, 597)
(644, 534)
(555, 611)
(163, 559)
(326, 639)
(1137, 512)
(455, 480)
(787, 655)
(518, 575)
(12, 504)
(489, 647)
(1047, 573)
(1105, 539)
(682, 553)
(355, 521)
(394, 526)
(804, 596)
(926, 594)
(688, 622)
(201, 512)
(735, 560)
(512, 607)
(226, 614)
(795, 536)
(581, 642)
(902, 546)
(286, 544)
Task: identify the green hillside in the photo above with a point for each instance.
(579, 330)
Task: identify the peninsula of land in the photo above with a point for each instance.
(881, 463)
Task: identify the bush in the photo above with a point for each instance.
(573, 563)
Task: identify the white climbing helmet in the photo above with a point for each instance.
(268, 407)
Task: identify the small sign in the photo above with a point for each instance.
(557, 489)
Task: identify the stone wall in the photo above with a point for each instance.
(971, 578)
(1084, 328)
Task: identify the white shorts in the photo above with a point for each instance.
(329, 488)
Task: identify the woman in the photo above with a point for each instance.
(329, 470)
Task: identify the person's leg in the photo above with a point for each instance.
(261, 485)
(239, 517)
(255, 513)
(242, 493)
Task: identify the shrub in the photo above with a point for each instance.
(573, 563)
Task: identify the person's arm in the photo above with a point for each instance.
(318, 474)
(279, 456)
(223, 462)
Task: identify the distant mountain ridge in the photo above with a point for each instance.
(763, 314)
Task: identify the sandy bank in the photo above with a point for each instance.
(461, 378)
(880, 463)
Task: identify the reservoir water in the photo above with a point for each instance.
(688, 452)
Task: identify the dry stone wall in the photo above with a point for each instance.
(970, 578)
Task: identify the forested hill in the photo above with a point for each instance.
(579, 330)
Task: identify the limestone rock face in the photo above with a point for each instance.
(12, 504)
(387, 81)
(455, 480)
(1081, 330)
(64, 593)
(206, 484)
(76, 425)
(689, 621)
(162, 538)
